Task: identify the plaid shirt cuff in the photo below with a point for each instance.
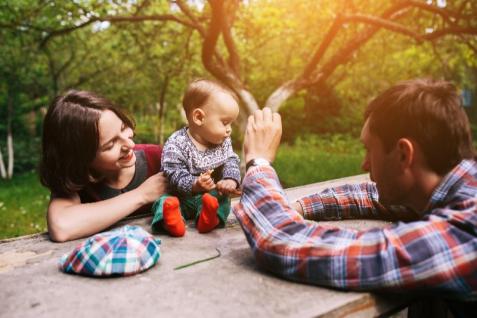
(256, 171)
(312, 206)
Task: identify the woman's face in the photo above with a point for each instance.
(115, 145)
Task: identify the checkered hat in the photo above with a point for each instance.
(124, 251)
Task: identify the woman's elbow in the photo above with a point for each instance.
(58, 232)
(56, 235)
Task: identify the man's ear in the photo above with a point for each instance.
(406, 152)
(198, 116)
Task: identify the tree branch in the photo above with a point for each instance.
(448, 15)
(384, 24)
(307, 77)
(141, 7)
(188, 13)
(211, 38)
(227, 22)
(310, 76)
(329, 37)
(118, 19)
(451, 30)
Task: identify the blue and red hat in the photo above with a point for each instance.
(121, 252)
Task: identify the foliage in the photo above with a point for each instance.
(23, 203)
(314, 159)
(144, 65)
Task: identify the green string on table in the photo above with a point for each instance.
(200, 261)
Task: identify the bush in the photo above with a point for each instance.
(23, 202)
(318, 158)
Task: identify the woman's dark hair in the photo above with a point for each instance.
(428, 112)
(71, 139)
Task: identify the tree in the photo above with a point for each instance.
(260, 46)
(350, 26)
(21, 80)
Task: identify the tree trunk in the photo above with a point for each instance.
(248, 107)
(10, 154)
(281, 94)
(10, 138)
(162, 109)
(3, 172)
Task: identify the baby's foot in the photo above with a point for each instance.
(208, 218)
(173, 222)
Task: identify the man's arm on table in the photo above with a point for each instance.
(350, 201)
(421, 254)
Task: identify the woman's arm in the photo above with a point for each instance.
(69, 219)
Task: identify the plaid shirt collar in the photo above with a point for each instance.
(459, 184)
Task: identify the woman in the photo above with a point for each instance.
(95, 173)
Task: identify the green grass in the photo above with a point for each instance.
(316, 159)
(23, 202)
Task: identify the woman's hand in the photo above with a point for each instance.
(153, 187)
(227, 187)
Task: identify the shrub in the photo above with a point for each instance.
(317, 158)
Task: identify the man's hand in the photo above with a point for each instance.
(203, 183)
(228, 187)
(297, 207)
(262, 136)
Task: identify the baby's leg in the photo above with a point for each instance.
(208, 218)
(168, 214)
(214, 211)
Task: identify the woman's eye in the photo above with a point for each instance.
(108, 146)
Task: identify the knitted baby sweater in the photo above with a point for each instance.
(182, 162)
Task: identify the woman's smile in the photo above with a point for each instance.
(128, 156)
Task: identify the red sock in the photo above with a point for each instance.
(173, 222)
(208, 219)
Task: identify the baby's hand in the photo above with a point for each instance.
(204, 182)
(228, 186)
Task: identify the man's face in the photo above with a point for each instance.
(383, 168)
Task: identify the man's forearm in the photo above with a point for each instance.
(399, 257)
(350, 201)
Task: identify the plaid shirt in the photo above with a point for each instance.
(436, 253)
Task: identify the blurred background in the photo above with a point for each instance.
(317, 62)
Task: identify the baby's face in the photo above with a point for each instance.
(221, 110)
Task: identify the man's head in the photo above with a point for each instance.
(210, 109)
(414, 122)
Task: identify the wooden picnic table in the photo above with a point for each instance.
(228, 286)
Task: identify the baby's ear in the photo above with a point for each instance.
(198, 116)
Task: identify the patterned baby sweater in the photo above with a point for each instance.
(182, 162)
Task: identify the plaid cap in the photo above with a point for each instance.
(122, 252)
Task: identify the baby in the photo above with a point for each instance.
(199, 161)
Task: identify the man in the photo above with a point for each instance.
(420, 156)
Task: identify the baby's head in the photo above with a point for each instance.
(211, 108)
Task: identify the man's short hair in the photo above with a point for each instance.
(428, 112)
(198, 92)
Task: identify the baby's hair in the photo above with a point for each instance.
(198, 92)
